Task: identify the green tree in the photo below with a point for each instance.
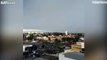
(30, 37)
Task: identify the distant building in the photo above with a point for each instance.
(66, 32)
(45, 38)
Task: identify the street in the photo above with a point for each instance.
(71, 56)
(61, 56)
(45, 57)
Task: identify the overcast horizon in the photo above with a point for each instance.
(54, 15)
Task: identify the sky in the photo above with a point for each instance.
(61, 15)
(54, 15)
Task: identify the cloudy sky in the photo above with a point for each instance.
(54, 15)
(61, 15)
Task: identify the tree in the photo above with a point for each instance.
(30, 37)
